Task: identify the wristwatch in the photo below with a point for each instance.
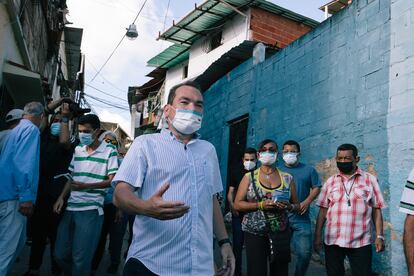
(223, 241)
(64, 120)
(381, 237)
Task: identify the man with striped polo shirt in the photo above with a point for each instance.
(93, 167)
(407, 206)
(350, 202)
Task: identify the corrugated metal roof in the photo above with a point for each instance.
(228, 61)
(214, 13)
(170, 57)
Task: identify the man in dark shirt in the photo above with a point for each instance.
(56, 151)
(249, 164)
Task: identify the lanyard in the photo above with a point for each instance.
(350, 190)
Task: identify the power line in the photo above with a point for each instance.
(166, 13)
(103, 78)
(106, 61)
(119, 43)
(106, 93)
(107, 103)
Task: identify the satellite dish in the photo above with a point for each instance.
(132, 32)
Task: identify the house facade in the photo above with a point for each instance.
(210, 41)
(40, 56)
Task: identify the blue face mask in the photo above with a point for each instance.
(55, 129)
(86, 138)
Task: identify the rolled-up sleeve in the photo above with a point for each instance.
(133, 167)
(323, 200)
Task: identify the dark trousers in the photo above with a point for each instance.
(116, 233)
(135, 267)
(238, 240)
(44, 224)
(257, 252)
(360, 260)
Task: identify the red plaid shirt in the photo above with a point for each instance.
(350, 226)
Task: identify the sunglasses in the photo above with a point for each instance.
(113, 142)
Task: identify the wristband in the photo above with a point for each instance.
(381, 237)
(223, 241)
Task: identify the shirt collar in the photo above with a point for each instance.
(165, 132)
(100, 148)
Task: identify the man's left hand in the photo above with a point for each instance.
(379, 245)
(304, 205)
(229, 262)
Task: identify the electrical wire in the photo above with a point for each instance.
(107, 103)
(165, 17)
(119, 43)
(106, 93)
(104, 78)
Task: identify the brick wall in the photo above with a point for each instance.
(274, 29)
(348, 80)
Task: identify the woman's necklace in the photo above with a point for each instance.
(267, 175)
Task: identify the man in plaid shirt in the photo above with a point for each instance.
(349, 202)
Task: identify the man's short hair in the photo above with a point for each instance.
(33, 109)
(90, 119)
(348, 147)
(173, 90)
(264, 142)
(250, 151)
(292, 143)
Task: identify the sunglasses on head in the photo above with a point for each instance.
(110, 141)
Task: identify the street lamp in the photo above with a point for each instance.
(132, 32)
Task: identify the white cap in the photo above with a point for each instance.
(14, 114)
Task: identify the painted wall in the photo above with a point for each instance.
(337, 84)
(400, 117)
(8, 46)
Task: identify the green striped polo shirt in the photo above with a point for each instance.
(407, 198)
(91, 168)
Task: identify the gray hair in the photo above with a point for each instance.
(33, 109)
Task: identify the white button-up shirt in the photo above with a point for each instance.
(182, 246)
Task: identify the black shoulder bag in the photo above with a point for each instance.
(279, 241)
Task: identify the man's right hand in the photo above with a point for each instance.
(161, 209)
(26, 208)
(57, 207)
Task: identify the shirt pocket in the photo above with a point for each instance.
(335, 194)
(203, 177)
(363, 193)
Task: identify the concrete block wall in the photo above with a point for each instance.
(348, 80)
(400, 117)
(274, 29)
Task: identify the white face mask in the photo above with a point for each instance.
(268, 158)
(290, 158)
(187, 121)
(249, 165)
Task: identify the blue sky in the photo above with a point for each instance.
(104, 23)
